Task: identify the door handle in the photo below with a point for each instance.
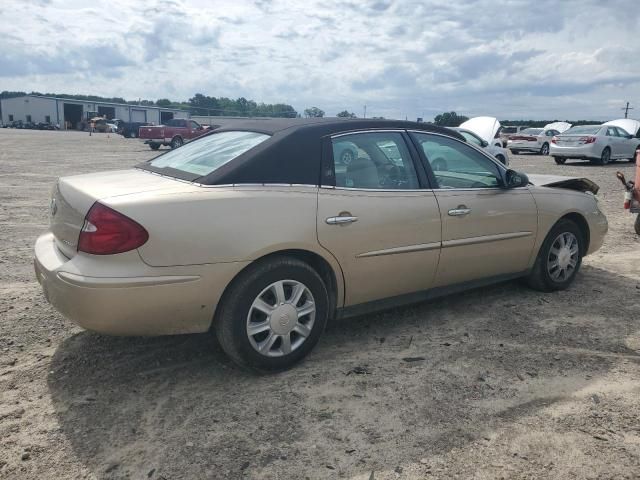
(461, 211)
(341, 220)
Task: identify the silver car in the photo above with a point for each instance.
(599, 144)
(536, 140)
(493, 149)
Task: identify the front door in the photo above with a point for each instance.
(376, 216)
(487, 231)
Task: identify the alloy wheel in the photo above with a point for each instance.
(281, 318)
(563, 256)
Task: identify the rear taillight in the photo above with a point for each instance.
(588, 139)
(554, 140)
(106, 232)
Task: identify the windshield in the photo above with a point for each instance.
(532, 131)
(209, 153)
(583, 130)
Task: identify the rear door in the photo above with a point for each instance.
(487, 231)
(627, 144)
(614, 142)
(378, 216)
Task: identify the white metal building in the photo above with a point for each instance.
(68, 113)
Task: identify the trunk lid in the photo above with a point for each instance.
(485, 127)
(569, 183)
(72, 197)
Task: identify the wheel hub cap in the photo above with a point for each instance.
(281, 318)
(563, 256)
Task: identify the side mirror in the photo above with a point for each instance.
(484, 144)
(515, 179)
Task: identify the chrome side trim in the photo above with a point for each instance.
(408, 249)
(484, 239)
(367, 130)
(387, 190)
(120, 282)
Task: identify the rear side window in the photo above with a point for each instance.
(373, 160)
(204, 156)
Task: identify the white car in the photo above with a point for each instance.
(599, 144)
(536, 140)
(482, 131)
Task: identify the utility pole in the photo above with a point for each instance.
(365, 112)
(626, 110)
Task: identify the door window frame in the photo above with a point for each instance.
(502, 170)
(328, 172)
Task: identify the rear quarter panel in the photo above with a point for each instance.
(223, 224)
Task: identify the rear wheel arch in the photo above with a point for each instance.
(316, 261)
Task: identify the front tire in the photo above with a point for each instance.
(154, 146)
(515, 152)
(560, 160)
(272, 315)
(545, 149)
(559, 258)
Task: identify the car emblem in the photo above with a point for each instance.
(53, 207)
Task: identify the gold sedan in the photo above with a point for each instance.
(260, 233)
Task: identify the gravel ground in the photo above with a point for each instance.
(500, 382)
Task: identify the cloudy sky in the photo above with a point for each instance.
(513, 59)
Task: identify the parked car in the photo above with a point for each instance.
(536, 140)
(599, 144)
(175, 133)
(482, 132)
(507, 130)
(258, 233)
(47, 126)
(345, 152)
(130, 129)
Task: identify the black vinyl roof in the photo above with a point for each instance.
(293, 153)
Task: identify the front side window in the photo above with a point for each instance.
(456, 165)
(194, 125)
(205, 155)
(373, 160)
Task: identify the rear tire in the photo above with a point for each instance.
(560, 160)
(243, 309)
(605, 158)
(154, 146)
(176, 142)
(515, 152)
(545, 149)
(558, 261)
(636, 224)
(501, 159)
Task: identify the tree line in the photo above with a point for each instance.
(201, 104)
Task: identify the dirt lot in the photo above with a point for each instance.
(512, 384)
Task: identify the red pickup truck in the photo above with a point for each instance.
(175, 133)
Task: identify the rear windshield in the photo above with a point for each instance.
(532, 131)
(205, 155)
(583, 130)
